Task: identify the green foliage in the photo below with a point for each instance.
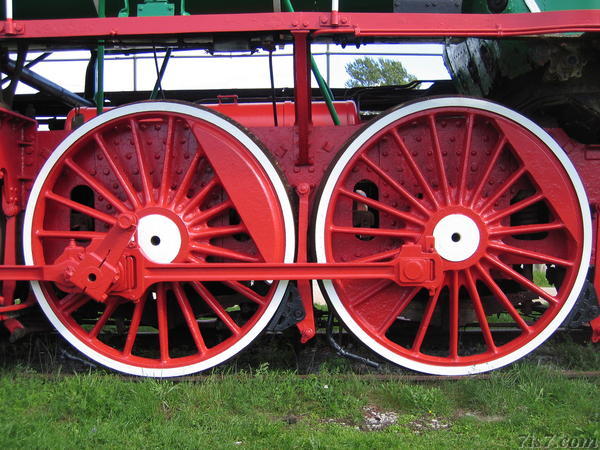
(269, 408)
(540, 279)
(264, 406)
(369, 72)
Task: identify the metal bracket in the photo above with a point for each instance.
(11, 28)
(290, 311)
(586, 307)
(124, 12)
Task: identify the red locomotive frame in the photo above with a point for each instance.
(112, 266)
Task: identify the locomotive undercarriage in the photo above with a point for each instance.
(160, 236)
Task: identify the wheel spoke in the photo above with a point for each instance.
(163, 321)
(166, 180)
(525, 229)
(493, 286)
(381, 206)
(375, 232)
(134, 326)
(376, 257)
(398, 308)
(190, 317)
(396, 186)
(72, 302)
(200, 195)
(515, 208)
(454, 315)
(439, 161)
(413, 166)
(522, 280)
(118, 171)
(208, 214)
(505, 186)
(425, 321)
(144, 171)
(480, 312)
(213, 232)
(96, 185)
(246, 292)
(541, 258)
(488, 170)
(94, 213)
(214, 304)
(184, 187)
(111, 305)
(464, 167)
(213, 250)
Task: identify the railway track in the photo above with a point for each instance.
(48, 355)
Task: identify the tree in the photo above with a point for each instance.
(368, 72)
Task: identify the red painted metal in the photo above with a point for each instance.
(595, 324)
(98, 270)
(149, 273)
(358, 24)
(226, 209)
(17, 169)
(306, 326)
(302, 96)
(149, 164)
(254, 199)
(257, 114)
(488, 170)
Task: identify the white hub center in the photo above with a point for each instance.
(159, 238)
(456, 237)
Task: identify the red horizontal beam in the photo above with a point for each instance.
(227, 271)
(359, 24)
(268, 271)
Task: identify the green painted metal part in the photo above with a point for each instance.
(152, 8)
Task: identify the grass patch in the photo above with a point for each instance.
(540, 279)
(258, 400)
(268, 408)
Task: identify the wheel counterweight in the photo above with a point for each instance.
(498, 195)
(164, 163)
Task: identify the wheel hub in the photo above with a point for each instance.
(457, 237)
(159, 238)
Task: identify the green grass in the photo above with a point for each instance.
(278, 409)
(540, 279)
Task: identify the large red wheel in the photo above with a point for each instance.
(497, 193)
(203, 191)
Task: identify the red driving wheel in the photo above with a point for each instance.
(203, 191)
(498, 195)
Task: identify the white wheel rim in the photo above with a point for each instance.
(356, 145)
(263, 160)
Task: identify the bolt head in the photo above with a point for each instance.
(126, 221)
